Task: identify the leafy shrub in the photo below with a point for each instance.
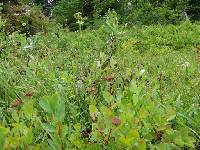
(132, 12)
(110, 88)
(156, 12)
(24, 18)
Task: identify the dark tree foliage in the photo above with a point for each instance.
(93, 9)
(8, 1)
(47, 7)
(129, 11)
(193, 9)
(46, 2)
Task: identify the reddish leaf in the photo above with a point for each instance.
(16, 102)
(28, 94)
(116, 121)
(108, 78)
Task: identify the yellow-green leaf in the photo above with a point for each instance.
(133, 134)
(92, 109)
(141, 145)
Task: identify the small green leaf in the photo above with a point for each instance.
(28, 136)
(54, 102)
(107, 96)
(125, 141)
(77, 127)
(3, 131)
(171, 114)
(143, 113)
(48, 127)
(133, 87)
(60, 111)
(133, 134)
(15, 116)
(112, 62)
(45, 105)
(141, 145)
(28, 109)
(92, 109)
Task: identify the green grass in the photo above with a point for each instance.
(112, 88)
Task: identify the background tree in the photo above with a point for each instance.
(133, 12)
(193, 9)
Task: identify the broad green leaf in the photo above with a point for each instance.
(135, 99)
(112, 62)
(143, 113)
(188, 140)
(44, 103)
(54, 142)
(64, 130)
(166, 146)
(133, 87)
(107, 96)
(106, 111)
(171, 114)
(48, 127)
(51, 103)
(92, 109)
(28, 109)
(134, 92)
(3, 131)
(77, 127)
(125, 141)
(130, 138)
(141, 145)
(60, 111)
(103, 56)
(28, 136)
(54, 102)
(15, 116)
(133, 134)
(74, 138)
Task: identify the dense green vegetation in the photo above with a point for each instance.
(132, 12)
(120, 86)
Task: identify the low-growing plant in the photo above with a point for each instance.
(113, 88)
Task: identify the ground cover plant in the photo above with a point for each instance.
(111, 88)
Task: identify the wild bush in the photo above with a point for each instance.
(25, 19)
(113, 88)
